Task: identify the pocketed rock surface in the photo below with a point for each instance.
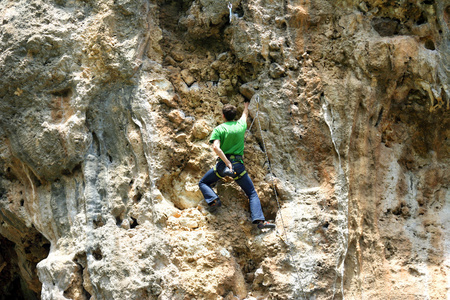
(105, 114)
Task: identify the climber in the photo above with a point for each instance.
(227, 142)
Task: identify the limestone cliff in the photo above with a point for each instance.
(105, 113)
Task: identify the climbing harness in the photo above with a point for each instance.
(235, 178)
(285, 239)
(235, 159)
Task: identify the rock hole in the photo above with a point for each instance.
(428, 2)
(397, 211)
(97, 253)
(77, 168)
(10, 175)
(380, 116)
(98, 222)
(239, 11)
(137, 198)
(270, 213)
(18, 260)
(118, 221)
(429, 44)
(134, 223)
(68, 172)
(261, 147)
(386, 26)
(47, 62)
(259, 57)
(95, 143)
(46, 247)
(64, 93)
(422, 19)
(22, 202)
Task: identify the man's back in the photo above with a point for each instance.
(231, 135)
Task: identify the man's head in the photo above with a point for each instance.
(229, 112)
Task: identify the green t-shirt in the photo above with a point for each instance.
(231, 135)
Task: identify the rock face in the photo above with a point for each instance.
(105, 113)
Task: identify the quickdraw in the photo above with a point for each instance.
(230, 7)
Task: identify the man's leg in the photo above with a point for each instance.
(205, 186)
(255, 205)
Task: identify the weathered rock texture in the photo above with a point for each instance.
(105, 113)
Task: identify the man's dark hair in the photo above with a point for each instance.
(229, 111)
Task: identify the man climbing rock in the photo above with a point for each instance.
(227, 142)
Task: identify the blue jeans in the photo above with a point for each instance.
(244, 182)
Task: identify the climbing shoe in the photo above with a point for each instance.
(213, 206)
(265, 224)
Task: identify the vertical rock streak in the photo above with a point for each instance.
(341, 192)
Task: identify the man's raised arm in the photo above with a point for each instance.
(245, 112)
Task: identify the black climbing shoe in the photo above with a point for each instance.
(213, 206)
(265, 224)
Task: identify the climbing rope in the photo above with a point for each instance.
(285, 240)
